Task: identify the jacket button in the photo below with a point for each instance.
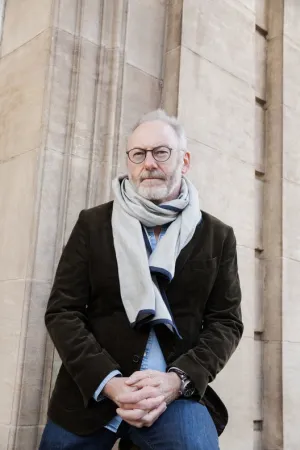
(136, 358)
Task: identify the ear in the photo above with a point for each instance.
(186, 163)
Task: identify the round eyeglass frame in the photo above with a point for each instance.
(145, 153)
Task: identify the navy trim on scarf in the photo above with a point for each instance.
(170, 208)
(161, 271)
(146, 239)
(166, 322)
(143, 317)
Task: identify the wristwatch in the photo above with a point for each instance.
(187, 387)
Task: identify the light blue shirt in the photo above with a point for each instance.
(153, 357)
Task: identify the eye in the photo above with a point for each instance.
(162, 153)
(137, 153)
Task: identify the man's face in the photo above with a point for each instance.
(157, 181)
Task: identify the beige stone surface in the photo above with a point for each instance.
(77, 191)
(259, 210)
(217, 176)
(261, 13)
(258, 380)
(291, 394)
(11, 300)
(291, 220)
(66, 15)
(145, 35)
(272, 399)
(99, 22)
(291, 139)
(259, 294)
(133, 103)
(260, 65)
(22, 83)
(174, 24)
(216, 108)
(236, 389)
(17, 180)
(275, 18)
(290, 300)
(21, 24)
(4, 436)
(114, 23)
(91, 28)
(50, 192)
(273, 226)
(30, 382)
(291, 20)
(273, 300)
(257, 440)
(259, 137)
(61, 78)
(26, 438)
(274, 76)
(208, 31)
(291, 87)
(250, 4)
(171, 81)
(84, 100)
(246, 264)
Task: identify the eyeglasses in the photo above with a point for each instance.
(161, 154)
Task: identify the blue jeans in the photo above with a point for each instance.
(185, 425)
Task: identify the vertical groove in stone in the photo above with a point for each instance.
(108, 103)
(272, 361)
(171, 62)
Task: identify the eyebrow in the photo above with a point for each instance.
(155, 146)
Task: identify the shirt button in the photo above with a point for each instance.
(136, 358)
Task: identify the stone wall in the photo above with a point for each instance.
(74, 77)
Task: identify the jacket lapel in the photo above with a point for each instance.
(186, 252)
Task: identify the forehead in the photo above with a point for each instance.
(151, 134)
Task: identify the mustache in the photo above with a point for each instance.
(153, 174)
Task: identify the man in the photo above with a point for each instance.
(144, 309)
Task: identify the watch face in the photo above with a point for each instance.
(189, 389)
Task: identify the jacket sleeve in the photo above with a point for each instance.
(222, 323)
(66, 320)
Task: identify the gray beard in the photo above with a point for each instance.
(153, 193)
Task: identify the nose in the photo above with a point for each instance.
(150, 162)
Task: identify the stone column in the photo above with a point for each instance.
(291, 224)
(272, 239)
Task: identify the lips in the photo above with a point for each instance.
(153, 178)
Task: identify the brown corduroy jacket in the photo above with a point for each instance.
(87, 322)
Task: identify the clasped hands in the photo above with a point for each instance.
(144, 396)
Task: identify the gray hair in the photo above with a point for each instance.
(160, 114)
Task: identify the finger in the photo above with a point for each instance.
(131, 414)
(137, 396)
(147, 405)
(137, 376)
(148, 382)
(153, 415)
